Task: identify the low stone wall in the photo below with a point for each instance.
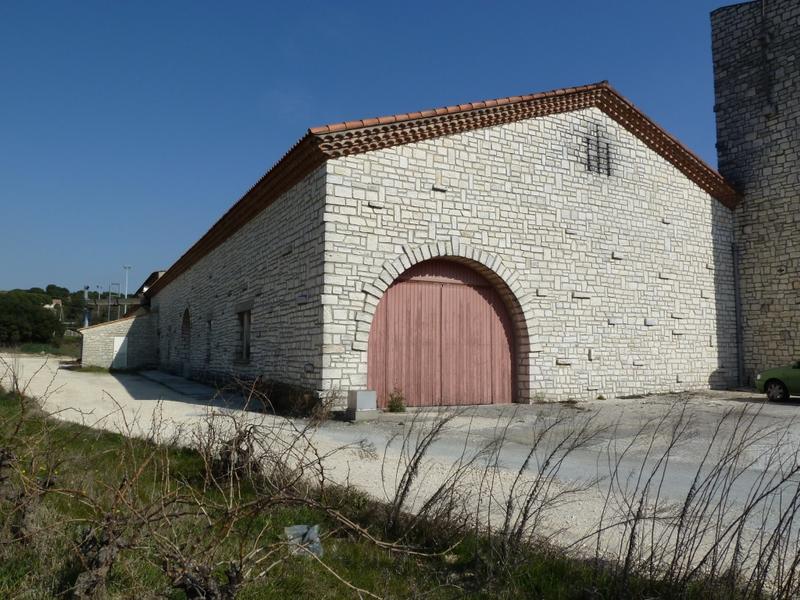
(98, 342)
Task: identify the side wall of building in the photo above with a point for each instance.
(272, 267)
(625, 281)
(98, 342)
(756, 49)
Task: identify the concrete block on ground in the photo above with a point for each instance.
(362, 405)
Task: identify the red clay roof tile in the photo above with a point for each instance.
(363, 135)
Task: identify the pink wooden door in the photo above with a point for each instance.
(441, 335)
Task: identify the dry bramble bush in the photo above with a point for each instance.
(202, 510)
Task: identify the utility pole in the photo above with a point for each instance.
(97, 302)
(126, 268)
(86, 306)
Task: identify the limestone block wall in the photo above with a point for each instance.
(271, 266)
(756, 48)
(98, 342)
(623, 278)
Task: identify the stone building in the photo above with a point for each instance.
(756, 47)
(552, 246)
(122, 344)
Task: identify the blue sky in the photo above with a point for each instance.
(128, 128)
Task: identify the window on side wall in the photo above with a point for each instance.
(243, 349)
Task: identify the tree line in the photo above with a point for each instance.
(24, 318)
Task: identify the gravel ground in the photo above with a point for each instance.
(618, 431)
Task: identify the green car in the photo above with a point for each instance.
(780, 383)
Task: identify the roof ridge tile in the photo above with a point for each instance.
(324, 142)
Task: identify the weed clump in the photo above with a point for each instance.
(396, 402)
(202, 512)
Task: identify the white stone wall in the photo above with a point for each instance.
(98, 342)
(272, 265)
(625, 282)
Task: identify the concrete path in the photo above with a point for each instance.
(93, 398)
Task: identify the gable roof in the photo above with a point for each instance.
(356, 137)
(112, 322)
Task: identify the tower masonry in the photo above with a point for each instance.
(756, 49)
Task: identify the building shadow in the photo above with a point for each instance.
(140, 388)
(726, 337)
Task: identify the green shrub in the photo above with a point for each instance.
(24, 319)
(397, 402)
(59, 346)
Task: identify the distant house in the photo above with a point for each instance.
(57, 307)
(148, 283)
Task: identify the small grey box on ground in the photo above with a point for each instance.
(362, 404)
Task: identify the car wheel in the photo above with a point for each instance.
(776, 391)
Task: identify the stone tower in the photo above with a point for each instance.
(756, 48)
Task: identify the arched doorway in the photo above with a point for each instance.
(186, 344)
(442, 335)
